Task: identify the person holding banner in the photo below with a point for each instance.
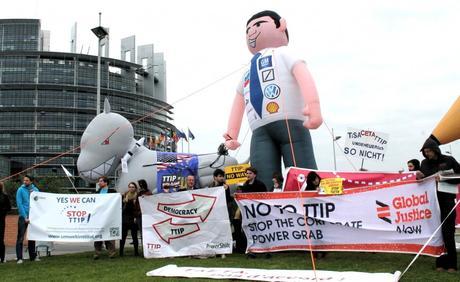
(219, 180)
(23, 203)
(143, 191)
(109, 245)
(433, 163)
(252, 185)
(413, 165)
(313, 181)
(5, 207)
(277, 182)
(129, 214)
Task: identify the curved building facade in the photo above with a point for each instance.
(48, 98)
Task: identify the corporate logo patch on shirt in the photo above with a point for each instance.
(272, 107)
(265, 62)
(272, 91)
(246, 79)
(268, 75)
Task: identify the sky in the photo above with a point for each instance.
(386, 66)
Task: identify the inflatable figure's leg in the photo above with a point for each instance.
(265, 155)
(302, 145)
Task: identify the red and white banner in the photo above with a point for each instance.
(397, 217)
(296, 178)
(186, 223)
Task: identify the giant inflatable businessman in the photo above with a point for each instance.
(280, 99)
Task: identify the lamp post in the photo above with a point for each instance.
(334, 138)
(101, 33)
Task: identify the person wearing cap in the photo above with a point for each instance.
(434, 162)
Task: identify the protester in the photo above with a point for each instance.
(219, 180)
(277, 179)
(129, 214)
(23, 204)
(313, 184)
(5, 207)
(109, 245)
(313, 181)
(413, 165)
(434, 162)
(252, 185)
(191, 182)
(143, 191)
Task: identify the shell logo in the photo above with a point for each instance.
(272, 107)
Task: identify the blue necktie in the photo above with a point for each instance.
(255, 90)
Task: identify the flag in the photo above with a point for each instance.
(151, 143)
(175, 137)
(181, 134)
(190, 135)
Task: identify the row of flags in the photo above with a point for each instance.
(172, 136)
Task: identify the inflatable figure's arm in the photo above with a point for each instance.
(234, 123)
(308, 89)
(129, 154)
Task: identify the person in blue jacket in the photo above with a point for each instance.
(23, 203)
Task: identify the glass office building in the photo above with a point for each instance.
(48, 98)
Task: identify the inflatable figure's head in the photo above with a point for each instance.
(266, 29)
(104, 142)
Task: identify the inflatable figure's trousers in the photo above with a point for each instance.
(271, 142)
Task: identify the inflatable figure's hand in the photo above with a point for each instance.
(313, 112)
(230, 143)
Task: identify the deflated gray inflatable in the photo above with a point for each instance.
(108, 145)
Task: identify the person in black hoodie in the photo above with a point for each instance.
(434, 162)
(5, 207)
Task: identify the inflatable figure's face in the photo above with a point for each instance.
(104, 142)
(262, 33)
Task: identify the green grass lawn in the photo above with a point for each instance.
(82, 267)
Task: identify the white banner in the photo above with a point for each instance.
(186, 223)
(398, 217)
(252, 274)
(75, 217)
(366, 144)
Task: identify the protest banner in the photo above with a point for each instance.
(236, 174)
(296, 178)
(366, 144)
(186, 223)
(279, 275)
(173, 169)
(397, 217)
(331, 186)
(74, 217)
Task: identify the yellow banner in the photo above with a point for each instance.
(331, 186)
(236, 173)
